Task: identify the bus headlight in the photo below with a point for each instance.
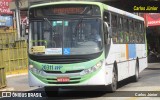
(30, 66)
(92, 69)
(34, 70)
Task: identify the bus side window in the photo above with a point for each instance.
(126, 30)
(143, 32)
(114, 28)
(131, 33)
(139, 33)
(136, 32)
(119, 30)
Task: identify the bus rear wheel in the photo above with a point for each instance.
(113, 86)
(135, 78)
(51, 91)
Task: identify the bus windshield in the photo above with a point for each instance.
(66, 37)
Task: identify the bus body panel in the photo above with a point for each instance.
(125, 55)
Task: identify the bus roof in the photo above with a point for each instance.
(105, 6)
(122, 12)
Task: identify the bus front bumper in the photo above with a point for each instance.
(98, 79)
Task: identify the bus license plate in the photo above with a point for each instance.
(63, 79)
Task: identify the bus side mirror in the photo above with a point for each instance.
(23, 27)
(25, 31)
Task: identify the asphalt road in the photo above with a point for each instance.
(127, 90)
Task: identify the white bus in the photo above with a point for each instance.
(80, 43)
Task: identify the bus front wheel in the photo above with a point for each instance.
(113, 86)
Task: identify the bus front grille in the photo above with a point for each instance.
(70, 79)
(59, 72)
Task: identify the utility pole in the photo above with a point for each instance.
(18, 18)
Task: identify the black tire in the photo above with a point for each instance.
(135, 78)
(113, 86)
(51, 91)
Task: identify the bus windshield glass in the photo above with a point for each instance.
(66, 37)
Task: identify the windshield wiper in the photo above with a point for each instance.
(46, 19)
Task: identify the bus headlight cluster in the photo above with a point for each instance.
(34, 70)
(92, 69)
